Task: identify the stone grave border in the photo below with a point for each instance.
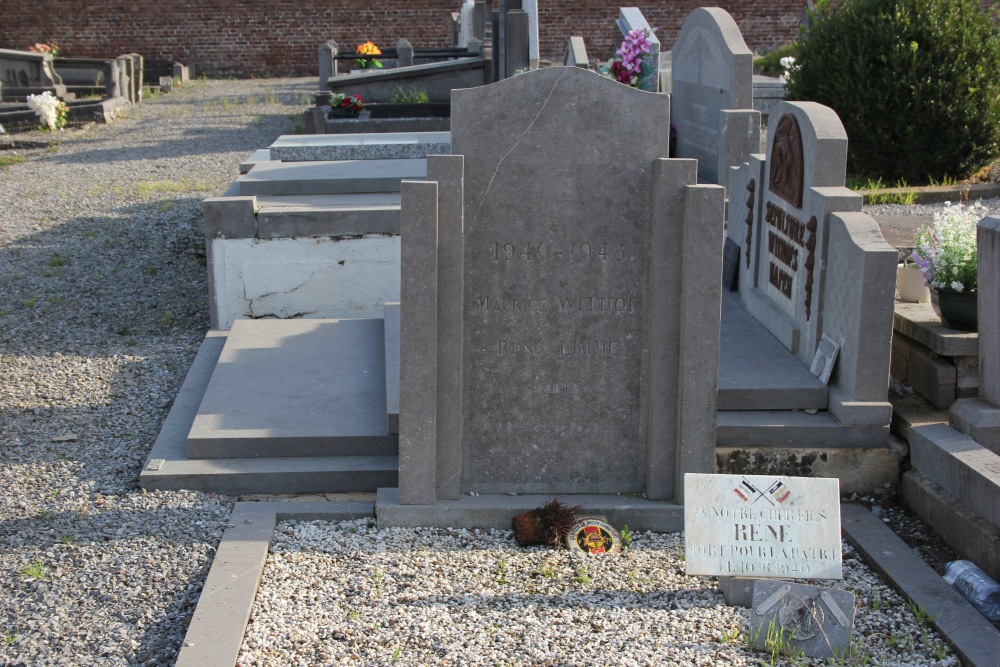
(218, 625)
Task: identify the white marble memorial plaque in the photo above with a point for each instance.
(762, 526)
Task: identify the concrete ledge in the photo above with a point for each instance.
(216, 631)
(794, 429)
(912, 411)
(859, 469)
(979, 419)
(973, 638)
(964, 468)
(496, 511)
(965, 531)
(919, 322)
(303, 221)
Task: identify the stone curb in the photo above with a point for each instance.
(216, 631)
(217, 628)
(935, 194)
(974, 639)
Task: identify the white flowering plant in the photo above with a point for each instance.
(946, 250)
(50, 110)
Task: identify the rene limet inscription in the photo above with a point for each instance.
(559, 330)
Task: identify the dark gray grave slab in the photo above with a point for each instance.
(295, 388)
(812, 619)
(323, 178)
(169, 468)
(381, 146)
(755, 370)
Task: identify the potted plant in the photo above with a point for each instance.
(368, 49)
(910, 284)
(345, 106)
(946, 255)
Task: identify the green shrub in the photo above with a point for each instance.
(770, 63)
(915, 83)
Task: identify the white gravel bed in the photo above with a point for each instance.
(348, 594)
(992, 206)
(103, 303)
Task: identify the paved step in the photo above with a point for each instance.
(296, 388)
(793, 429)
(960, 465)
(380, 146)
(328, 178)
(169, 468)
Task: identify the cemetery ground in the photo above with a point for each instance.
(103, 307)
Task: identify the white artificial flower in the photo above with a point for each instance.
(957, 286)
(45, 106)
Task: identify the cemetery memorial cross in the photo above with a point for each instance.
(560, 299)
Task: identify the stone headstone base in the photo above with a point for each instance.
(497, 510)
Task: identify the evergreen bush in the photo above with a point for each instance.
(915, 82)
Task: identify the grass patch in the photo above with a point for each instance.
(37, 571)
(8, 160)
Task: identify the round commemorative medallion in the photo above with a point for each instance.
(593, 536)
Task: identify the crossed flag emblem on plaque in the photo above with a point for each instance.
(747, 492)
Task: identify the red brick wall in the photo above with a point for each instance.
(245, 38)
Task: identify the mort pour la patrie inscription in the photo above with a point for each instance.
(762, 526)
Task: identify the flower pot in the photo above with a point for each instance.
(910, 285)
(343, 113)
(957, 310)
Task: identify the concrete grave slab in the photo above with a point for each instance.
(756, 372)
(295, 388)
(328, 178)
(169, 468)
(382, 146)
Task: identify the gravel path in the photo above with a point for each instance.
(103, 303)
(348, 594)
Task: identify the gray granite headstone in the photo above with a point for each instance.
(574, 368)
(712, 70)
(813, 620)
(326, 53)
